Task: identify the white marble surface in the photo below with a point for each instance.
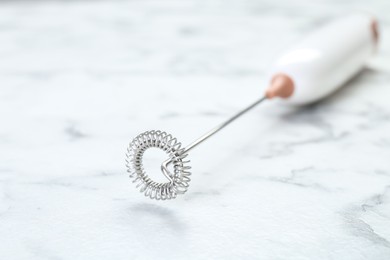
(78, 80)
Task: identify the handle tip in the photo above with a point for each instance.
(281, 86)
(375, 30)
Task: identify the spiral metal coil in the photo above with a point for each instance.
(178, 181)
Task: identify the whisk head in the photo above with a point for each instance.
(178, 180)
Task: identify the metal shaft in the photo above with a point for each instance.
(164, 164)
(221, 126)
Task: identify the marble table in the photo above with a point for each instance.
(78, 80)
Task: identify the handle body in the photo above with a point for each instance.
(328, 58)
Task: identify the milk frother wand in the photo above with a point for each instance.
(308, 72)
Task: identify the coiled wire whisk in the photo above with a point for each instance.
(178, 180)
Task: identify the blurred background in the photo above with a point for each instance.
(102, 38)
(80, 79)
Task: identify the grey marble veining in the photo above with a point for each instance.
(80, 79)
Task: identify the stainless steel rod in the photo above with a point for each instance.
(223, 125)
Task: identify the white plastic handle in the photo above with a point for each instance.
(329, 57)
